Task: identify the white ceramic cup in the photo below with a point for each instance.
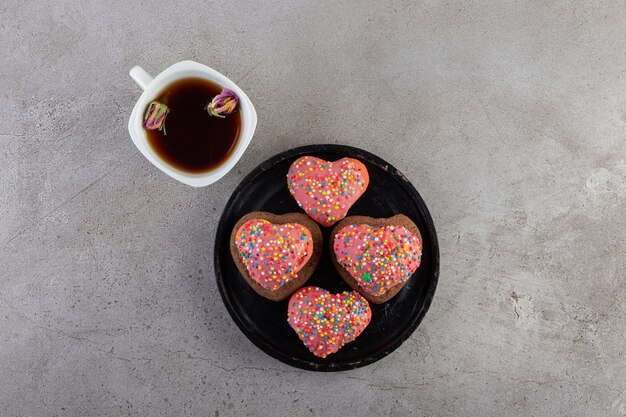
(152, 87)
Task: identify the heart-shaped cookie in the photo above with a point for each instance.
(324, 321)
(276, 254)
(376, 256)
(326, 190)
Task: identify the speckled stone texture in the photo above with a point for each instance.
(509, 118)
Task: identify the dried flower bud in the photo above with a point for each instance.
(155, 116)
(223, 104)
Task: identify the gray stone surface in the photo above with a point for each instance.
(510, 119)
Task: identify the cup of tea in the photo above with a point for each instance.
(193, 142)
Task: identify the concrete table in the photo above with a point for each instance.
(510, 119)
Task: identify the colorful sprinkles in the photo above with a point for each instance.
(324, 321)
(326, 190)
(273, 253)
(378, 258)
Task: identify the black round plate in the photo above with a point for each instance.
(264, 322)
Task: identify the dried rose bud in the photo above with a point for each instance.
(223, 104)
(155, 116)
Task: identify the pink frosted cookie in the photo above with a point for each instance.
(324, 321)
(326, 190)
(276, 254)
(376, 256)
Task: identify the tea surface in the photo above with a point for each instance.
(192, 140)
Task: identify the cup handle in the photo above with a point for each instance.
(141, 77)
